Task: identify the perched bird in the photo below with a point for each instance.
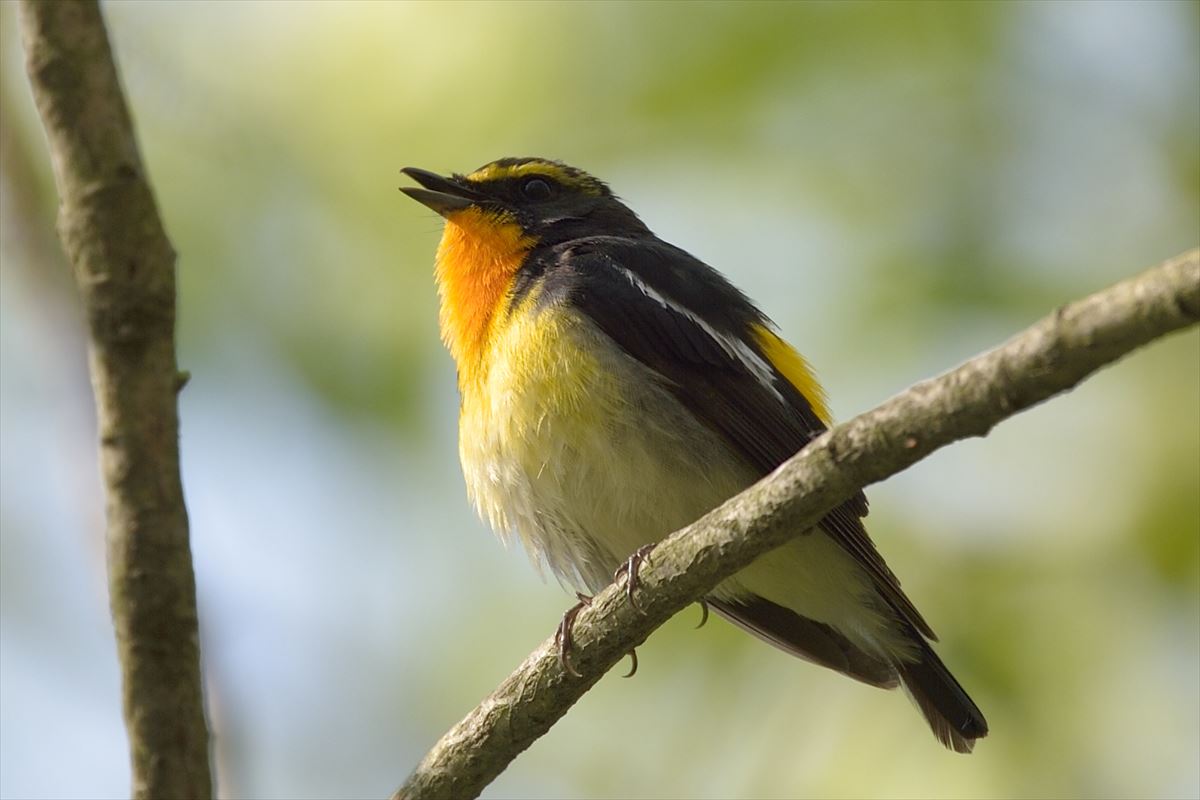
(614, 389)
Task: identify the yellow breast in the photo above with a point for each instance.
(526, 414)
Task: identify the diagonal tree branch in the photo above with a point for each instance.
(1050, 357)
(125, 270)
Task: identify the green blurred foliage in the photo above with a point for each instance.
(899, 184)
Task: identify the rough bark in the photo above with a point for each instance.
(125, 269)
(1050, 357)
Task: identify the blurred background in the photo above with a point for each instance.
(900, 186)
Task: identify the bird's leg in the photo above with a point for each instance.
(630, 570)
(564, 642)
(562, 636)
(703, 612)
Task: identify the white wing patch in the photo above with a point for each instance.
(733, 347)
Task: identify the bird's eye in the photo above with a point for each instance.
(536, 189)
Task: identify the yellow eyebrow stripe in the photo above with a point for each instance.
(794, 368)
(499, 172)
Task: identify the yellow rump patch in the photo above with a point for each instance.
(477, 258)
(793, 367)
(564, 175)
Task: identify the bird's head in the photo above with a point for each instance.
(495, 217)
(546, 201)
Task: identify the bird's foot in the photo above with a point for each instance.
(562, 636)
(630, 570)
(565, 643)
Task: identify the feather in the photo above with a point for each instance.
(704, 338)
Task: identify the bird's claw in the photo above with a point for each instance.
(564, 642)
(632, 664)
(630, 570)
(562, 636)
(563, 639)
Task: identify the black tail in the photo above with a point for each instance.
(955, 719)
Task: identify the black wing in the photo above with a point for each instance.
(695, 332)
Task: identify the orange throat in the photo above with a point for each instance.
(477, 259)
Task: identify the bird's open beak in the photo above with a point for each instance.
(443, 195)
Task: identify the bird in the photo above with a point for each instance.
(614, 388)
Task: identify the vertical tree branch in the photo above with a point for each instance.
(125, 269)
